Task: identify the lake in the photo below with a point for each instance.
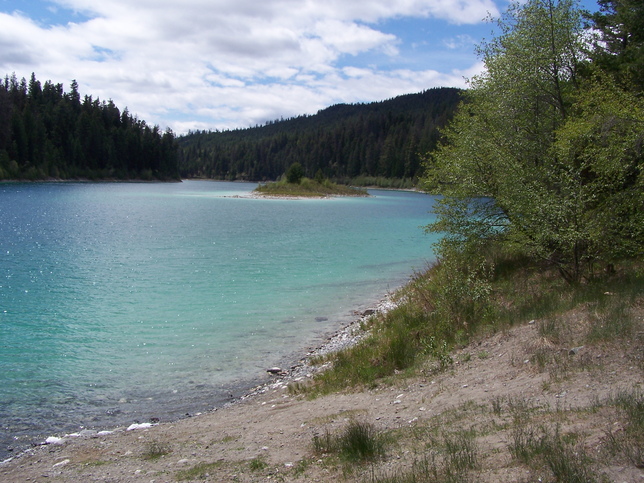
(121, 302)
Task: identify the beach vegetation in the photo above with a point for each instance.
(357, 442)
(547, 447)
(627, 442)
(450, 457)
(307, 188)
(419, 334)
(257, 464)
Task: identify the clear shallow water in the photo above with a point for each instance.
(122, 302)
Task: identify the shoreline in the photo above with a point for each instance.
(299, 368)
(271, 433)
(342, 338)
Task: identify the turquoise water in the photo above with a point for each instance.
(122, 302)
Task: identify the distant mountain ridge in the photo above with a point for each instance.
(356, 143)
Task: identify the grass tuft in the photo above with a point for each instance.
(451, 460)
(257, 464)
(629, 442)
(358, 442)
(541, 446)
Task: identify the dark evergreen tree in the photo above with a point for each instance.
(47, 133)
(619, 49)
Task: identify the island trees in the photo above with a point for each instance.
(538, 157)
(295, 173)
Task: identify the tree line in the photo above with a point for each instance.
(345, 142)
(545, 156)
(46, 132)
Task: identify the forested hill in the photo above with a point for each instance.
(357, 142)
(47, 133)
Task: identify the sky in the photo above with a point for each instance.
(226, 64)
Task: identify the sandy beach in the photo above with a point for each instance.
(268, 434)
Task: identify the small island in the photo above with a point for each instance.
(293, 184)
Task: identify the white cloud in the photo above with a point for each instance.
(231, 62)
(459, 42)
(352, 38)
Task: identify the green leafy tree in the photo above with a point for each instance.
(517, 165)
(600, 151)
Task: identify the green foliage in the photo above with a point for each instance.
(308, 188)
(380, 140)
(295, 173)
(619, 47)
(380, 182)
(537, 160)
(460, 291)
(599, 162)
(436, 309)
(45, 132)
(257, 464)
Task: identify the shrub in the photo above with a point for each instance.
(358, 442)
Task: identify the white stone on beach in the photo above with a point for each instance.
(54, 440)
(134, 426)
